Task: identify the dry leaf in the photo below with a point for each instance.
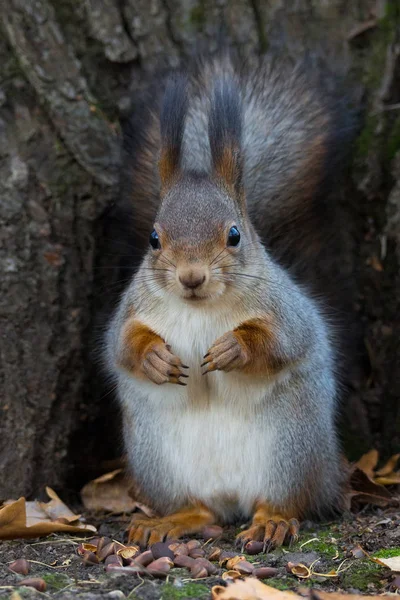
(368, 462)
(393, 563)
(389, 467)
(250, 589)
(22, 519)
(112, 492)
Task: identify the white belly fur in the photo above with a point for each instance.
(209, 434)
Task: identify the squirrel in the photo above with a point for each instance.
(225, 364)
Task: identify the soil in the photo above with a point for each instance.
(330, 548)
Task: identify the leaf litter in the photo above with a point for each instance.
(113, 494)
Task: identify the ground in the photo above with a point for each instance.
(334, 545)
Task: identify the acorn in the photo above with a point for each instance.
(113, 559)
(197, 553)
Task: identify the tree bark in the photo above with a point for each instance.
(69, 70)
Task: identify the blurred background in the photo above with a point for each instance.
(69, 72)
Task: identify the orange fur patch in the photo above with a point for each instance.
(259, 342)
(186, 521)
(137, 340)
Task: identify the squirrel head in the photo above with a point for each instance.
(202, 241)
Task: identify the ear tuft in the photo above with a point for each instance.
(225, 134)
(172, 122)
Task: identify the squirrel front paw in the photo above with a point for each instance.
(143, 353)
(225, 354)
(161, 366)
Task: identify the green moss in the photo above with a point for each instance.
(322, 544)
(189, 590)
(388, 553)
(56, 581)
(278, 584)
(361, 573)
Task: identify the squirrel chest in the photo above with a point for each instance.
(209, 439)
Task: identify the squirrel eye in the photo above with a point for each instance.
(233, 236)
(154, 241)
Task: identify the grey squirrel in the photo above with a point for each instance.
(225, 365)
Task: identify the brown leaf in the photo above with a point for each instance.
(368, 462)
(111, 492)
(365, 491)
(388, 467)
(22, 519)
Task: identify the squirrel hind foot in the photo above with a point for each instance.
(147, 531)
(273, 530)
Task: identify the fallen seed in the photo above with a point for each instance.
(211, 569)
(20, 566)
(181, 549)
(128, 552)
(215, 553)
(192, 544)
(232, 562)
(89, 559)
(225, 556)
(244, 567)
(145, 558)
(105, 551)
(35, 582)
(182, 560)
(160, 549)
(213, 532)
(253, 547)
(160, 567)
(113, 559)
(197, 553)
(103, 541)
(197, 571)
(265, 572)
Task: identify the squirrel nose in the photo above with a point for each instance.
(192, 279)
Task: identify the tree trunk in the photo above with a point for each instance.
(69, 70)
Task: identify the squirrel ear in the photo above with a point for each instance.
(172, 124)
(225, 133)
